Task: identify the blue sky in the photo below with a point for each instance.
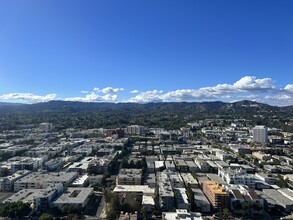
(146, 50)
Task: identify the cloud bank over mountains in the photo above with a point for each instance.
(248, 87)
(27, 97)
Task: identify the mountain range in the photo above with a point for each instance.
(169, 115)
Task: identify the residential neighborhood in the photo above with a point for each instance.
(203, 171)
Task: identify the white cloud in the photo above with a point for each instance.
(248, 87)
(148, 96)
(281, 100)
(96, 89)
(280, 97)
(111, 90)
(289, 88)
(93, 97)
(108, 90)
(248, 97)
(250, 83)
(28, 97)
(247, 84)
(134, 91)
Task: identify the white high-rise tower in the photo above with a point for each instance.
(260, 134)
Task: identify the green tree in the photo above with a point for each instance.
(144, 165)
(74, 217)
(225, 214)
(4, 172)
(113, 207)
(144, 213)
(131, 164)
(15, 209)
(46, 216)
(138, 164)
(134, 205)
(283, 183)
(67, 209)
(108, 196)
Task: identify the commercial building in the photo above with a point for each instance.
(216, 194)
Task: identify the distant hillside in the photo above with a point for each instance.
(66, 106)
(2, 104)
(168, 115)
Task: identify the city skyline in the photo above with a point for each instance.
(146, 51)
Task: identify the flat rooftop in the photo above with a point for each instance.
(48, 177)
(134, 188)
(74, 195)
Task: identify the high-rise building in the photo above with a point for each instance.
(260, 134)
(46, 126)
(135, 129)
(216, 194)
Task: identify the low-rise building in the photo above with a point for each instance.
(170, 165)
(266, 178)
(75, 197)
(276, 198)
(150, 180)
(181, 166)
(181, 198)
(39, 199)
(41, 180)
(165, 191)
(81, 181)
(181, 214)
(129, 177)
(25, 163)
(201, 202)
(54, 164)
(150, 166)
(238, 177)
(261, 156)
(136, 191)
(7, 183)
(189, 180)
(244, 194)
(95, 179)
(192, 168)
